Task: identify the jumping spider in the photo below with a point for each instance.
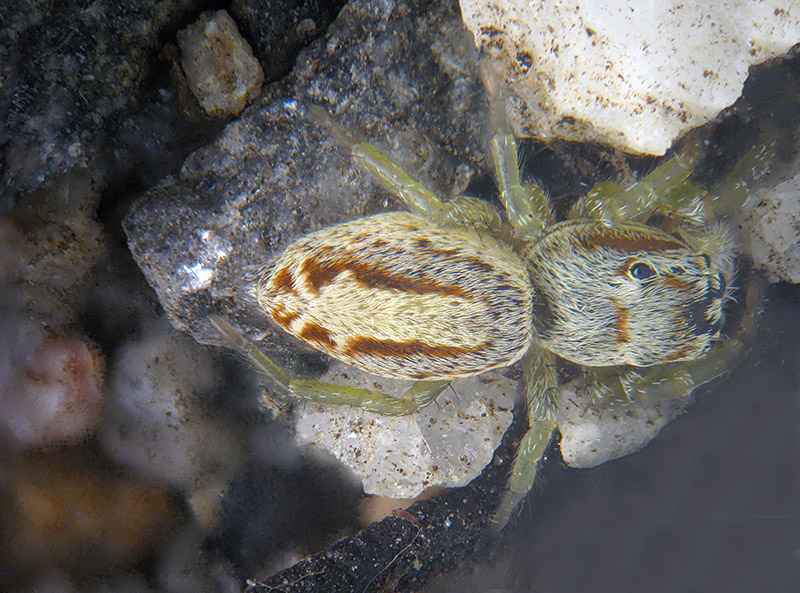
(448, 289)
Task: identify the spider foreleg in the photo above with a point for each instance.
(462, 211)
(527, 207)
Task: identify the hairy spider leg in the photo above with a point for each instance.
(527, 207)
(461, 211)
(611, 202)
(541, 392)
(668, 190)
(419, 395)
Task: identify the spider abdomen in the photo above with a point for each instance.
(397, 296)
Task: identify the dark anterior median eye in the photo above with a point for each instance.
(641, 271)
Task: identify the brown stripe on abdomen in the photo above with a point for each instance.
(319, 274)
(283, 281)
(283, 317)
(365, 346)
(315, 333)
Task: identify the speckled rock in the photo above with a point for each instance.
(49, 245)
(51, 396)
(69, 69)
(82, 88)
(447, 444)
(630, 74)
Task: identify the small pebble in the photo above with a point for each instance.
(219, 65)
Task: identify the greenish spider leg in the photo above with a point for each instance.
(609, 201)
(667, 189)
(461, 211)
(527, 206)
(687, 201)
(612, 387)
(541, 384)
(419, 395)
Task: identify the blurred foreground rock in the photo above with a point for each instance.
(69, 512)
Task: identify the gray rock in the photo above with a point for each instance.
(69, 70)
(274, 174)
(279, 29)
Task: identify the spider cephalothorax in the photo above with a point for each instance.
(610, 295)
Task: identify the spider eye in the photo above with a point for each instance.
(641, 271)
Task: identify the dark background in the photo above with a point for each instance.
(712, 504)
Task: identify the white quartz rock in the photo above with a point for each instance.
(447, 444)
(628, 73)
(772, 226)
(591, 435)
